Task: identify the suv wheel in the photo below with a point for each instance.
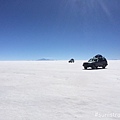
(94, 67)
(103, 67)
(85, 67)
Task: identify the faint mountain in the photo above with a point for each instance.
(44, 59)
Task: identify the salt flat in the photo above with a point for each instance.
(57, 90)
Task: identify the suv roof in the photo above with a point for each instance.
(98, 56)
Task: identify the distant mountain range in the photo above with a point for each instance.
(44, 59)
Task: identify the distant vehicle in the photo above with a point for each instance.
(71, 61)
(95, 62)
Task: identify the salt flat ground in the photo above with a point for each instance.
(57, 90)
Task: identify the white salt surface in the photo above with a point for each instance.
(57, 90)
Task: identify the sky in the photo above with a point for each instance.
(59, 29)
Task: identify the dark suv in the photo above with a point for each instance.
(95, 62)
(71, 61)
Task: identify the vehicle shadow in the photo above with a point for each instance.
(95, 69)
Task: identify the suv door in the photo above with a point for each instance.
(100, 62)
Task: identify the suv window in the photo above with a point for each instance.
(93, 60)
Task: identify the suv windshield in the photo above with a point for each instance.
(93, 60)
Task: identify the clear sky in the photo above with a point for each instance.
(59, 29)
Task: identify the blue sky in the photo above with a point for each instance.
(59, 29)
